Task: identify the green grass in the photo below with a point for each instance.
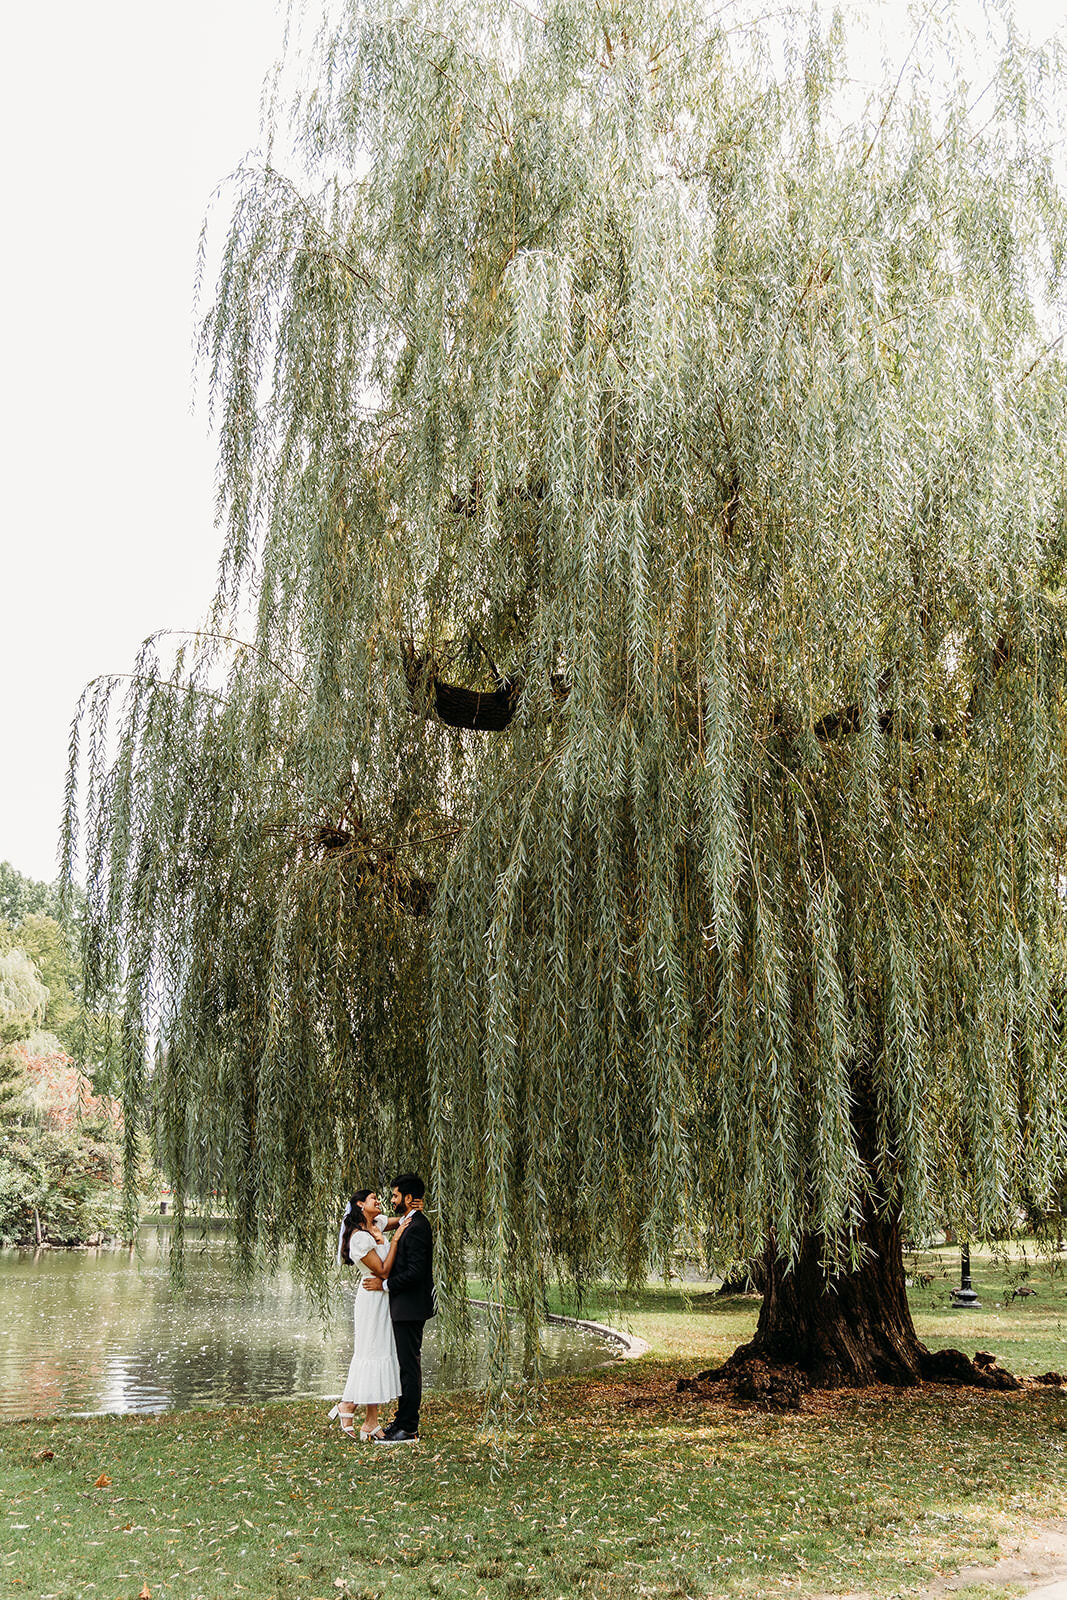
(621, 1487)
(1028, 1335)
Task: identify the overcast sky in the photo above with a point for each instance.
(118, 120)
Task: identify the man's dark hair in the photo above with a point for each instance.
(410, 1183)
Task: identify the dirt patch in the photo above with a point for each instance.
(767, 1385)
(774, 1387)
(690, 1398)
(984, 1372)
(1037, 1561)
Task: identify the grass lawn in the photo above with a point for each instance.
(1027, 1334)
(622, 1487)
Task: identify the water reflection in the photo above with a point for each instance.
(103, 1330)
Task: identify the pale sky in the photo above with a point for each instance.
(119, 118)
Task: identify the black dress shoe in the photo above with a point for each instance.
(395, 1435)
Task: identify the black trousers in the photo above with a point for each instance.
(408, 1336)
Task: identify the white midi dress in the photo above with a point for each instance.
(374, 1372)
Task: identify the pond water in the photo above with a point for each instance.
(86, 1331)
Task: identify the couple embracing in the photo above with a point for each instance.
(394, 1299)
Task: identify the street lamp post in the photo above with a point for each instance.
(964, 1297)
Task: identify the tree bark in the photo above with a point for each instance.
(749, 1278)
(848, 1331)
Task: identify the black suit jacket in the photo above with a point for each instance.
(411, 1280)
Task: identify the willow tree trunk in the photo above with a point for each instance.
(845, 1331)
(850, 1330)
(853, 1328)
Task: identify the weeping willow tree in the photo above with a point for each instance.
(624, 768)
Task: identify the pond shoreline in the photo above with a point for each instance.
(196, 1227)
(104, 1330)
(632, 1348)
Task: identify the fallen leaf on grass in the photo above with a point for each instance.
(145, 1594)
(45, 1455)
(102, 1482)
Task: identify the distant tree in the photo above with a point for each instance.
(37, 919)
(54, 953)
(23, 996)
(27, 897)
(643, 794)
(60, 1148)
(59, 1185)
(59, 1142)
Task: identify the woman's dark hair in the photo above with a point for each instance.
(353, 1221)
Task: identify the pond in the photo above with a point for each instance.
(86, 1331)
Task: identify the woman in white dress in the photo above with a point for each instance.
(374, 1372)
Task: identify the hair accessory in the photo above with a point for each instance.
(341, 1235)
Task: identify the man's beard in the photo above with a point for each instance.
(400, 1208)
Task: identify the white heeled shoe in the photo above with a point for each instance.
(343, 1417)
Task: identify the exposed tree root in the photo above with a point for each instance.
(952, 1366)
(762, 1384)
(781, 1386)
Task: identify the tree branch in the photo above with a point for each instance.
(365, 863)
(478, 710)
(491, 710)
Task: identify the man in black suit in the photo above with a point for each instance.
(410, 1302)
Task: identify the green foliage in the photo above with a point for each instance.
(613, 349)
(58, 1170)
(43, 922)
(23, 997)
(58, 1185)
(27, 897)
(55, 955)
(10, 1081)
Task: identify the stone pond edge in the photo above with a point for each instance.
(632, 1346)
